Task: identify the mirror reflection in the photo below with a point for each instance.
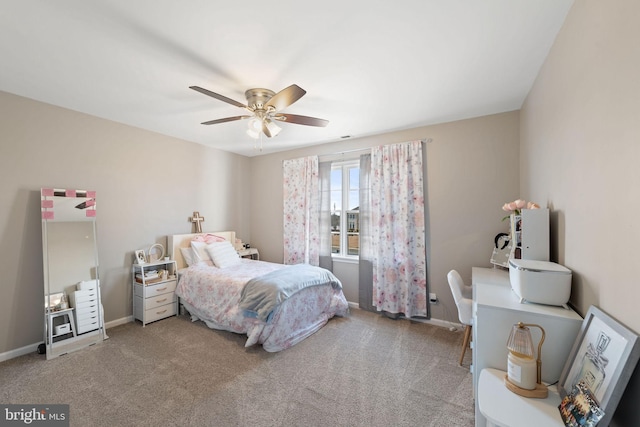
(73, 311)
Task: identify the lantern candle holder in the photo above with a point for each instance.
(524, 373)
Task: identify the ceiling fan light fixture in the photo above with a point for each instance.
(255, 124)
(253, 133)
(274, 129)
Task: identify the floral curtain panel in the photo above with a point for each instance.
(301, 191)
(398, 229)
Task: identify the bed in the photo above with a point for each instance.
(221, 297)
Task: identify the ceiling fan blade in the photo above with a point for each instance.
(301, 120)
(285, 97)
(226, 119)
(219, 97)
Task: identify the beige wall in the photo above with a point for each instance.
(147, 186)
(580, 156)
(471, 171)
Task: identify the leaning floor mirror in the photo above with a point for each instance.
(73, 313)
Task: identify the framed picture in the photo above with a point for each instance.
(140, 257)
(604, 356)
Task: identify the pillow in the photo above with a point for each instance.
(208, 238)
(200, 255)
(223, 254)
(187, 254)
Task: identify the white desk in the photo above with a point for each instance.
(496, 308)
(503, 408)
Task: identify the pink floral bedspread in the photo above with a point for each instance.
(212, 294)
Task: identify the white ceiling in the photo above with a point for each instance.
(368, 67)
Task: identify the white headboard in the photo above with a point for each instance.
(177, 241)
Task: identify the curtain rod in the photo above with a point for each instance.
(424, 141)
(355, 150)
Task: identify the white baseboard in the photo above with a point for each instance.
(32, 348)
(118, 322)
(441, 323)
(435, 322)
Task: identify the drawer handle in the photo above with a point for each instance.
(162, 300)
(160, 312)
(162, 289)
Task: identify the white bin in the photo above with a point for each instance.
(65, 328)
(540, 282)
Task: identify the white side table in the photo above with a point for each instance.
(503, 408)
(52, 315)
(249, 253)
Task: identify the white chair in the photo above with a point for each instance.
(462, 294)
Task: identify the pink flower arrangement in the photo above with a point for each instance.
(515, 207)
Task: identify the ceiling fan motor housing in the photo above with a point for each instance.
(258, 98)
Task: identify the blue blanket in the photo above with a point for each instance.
(262, 295)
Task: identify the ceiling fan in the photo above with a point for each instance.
(266, 106)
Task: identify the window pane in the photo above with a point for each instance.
(353, 222)
(336, 201)
(354, 200)
(353, 240)
(354, 178)
(336, 179)
(335, 243)
(335, 221)
(336, 189)
(345, 204)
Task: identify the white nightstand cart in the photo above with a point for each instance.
(154, 296)
(251, 253)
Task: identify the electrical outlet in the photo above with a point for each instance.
(433, 298)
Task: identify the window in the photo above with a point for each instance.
(345, 214)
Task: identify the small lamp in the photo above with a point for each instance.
(524, 372)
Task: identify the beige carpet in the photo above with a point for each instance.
(363, 370)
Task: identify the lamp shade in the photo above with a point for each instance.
(274, 129)
(520, 342)
(255, 124)
(523, 368)
(253, 134)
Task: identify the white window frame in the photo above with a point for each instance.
(344, 213)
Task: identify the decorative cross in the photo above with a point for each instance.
(197, 220)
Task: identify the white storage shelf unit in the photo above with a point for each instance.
(496, 308)
(532, 235)
(85, 302)
(154, 298)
